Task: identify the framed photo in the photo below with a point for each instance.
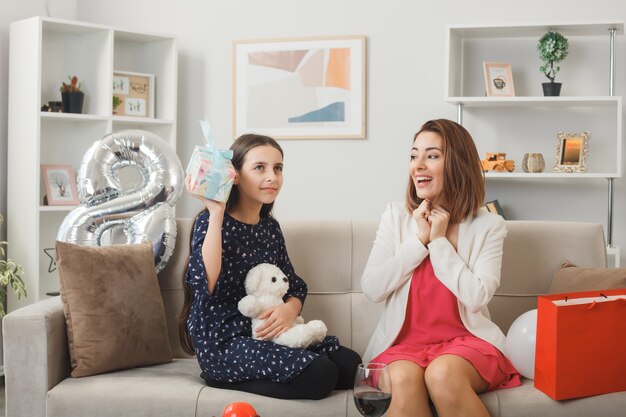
(306, 88)
(498, 79)
(60, 184)
(133, 94)
(494, 207)
(572, 150)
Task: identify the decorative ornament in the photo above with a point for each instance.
(51, 253)
(143, 211)
(496, 161)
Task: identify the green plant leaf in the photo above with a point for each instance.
(10, 276)
(553, 48)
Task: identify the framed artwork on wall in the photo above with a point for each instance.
(305, 88)
(133, 94)
(498, 79)
(572, 150)
(60, 185)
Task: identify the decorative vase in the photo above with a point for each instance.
(551, 89)
(533, 162)
(73, 102)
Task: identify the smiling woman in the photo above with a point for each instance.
(427, 165)
(446, 146)
(436, 281)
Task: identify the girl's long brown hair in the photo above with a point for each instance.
(240, 148)
(463, 180)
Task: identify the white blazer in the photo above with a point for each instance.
(471, 273)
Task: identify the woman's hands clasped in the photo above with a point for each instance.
(432, 221)
(420, 214)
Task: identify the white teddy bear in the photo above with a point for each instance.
(266, 285)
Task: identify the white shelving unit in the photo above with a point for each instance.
(530, 122)
(43, 53)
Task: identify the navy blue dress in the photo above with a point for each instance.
(221, 335)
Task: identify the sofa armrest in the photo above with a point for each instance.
(36, 356)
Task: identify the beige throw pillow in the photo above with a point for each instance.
(571, 278)
(113, 308)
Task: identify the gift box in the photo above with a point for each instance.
(211, 171)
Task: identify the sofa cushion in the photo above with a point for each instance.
(571, 278)
(526, 401)
(170, 390)
(113, 307)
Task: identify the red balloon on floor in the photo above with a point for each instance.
(239, 409)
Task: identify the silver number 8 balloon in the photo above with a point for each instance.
(144, 211)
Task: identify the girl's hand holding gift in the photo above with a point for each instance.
(213, 206)
(211, 169)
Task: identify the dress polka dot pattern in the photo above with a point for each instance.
(221, 335)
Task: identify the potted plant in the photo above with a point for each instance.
(72, 96)
(116, 103)
(552, 49)
(10, 276)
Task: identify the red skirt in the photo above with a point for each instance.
(432, 327)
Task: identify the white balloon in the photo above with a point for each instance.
(521, 341)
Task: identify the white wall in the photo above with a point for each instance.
(405, 64)
(405, 87)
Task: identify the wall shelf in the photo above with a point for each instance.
(550, 175)
(536, 101)
(529, 122)
(43, 52)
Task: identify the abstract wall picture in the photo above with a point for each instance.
(311, 88)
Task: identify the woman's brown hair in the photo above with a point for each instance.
(463, 180)
(240, 148)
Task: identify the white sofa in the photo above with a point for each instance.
(330, 256)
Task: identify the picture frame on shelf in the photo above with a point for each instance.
(133, 94)
(572, 151)
(300, 88)
(498, 79)
(60, 185)
(495, 208)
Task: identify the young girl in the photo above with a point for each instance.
(227, 241)
(436, 263)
